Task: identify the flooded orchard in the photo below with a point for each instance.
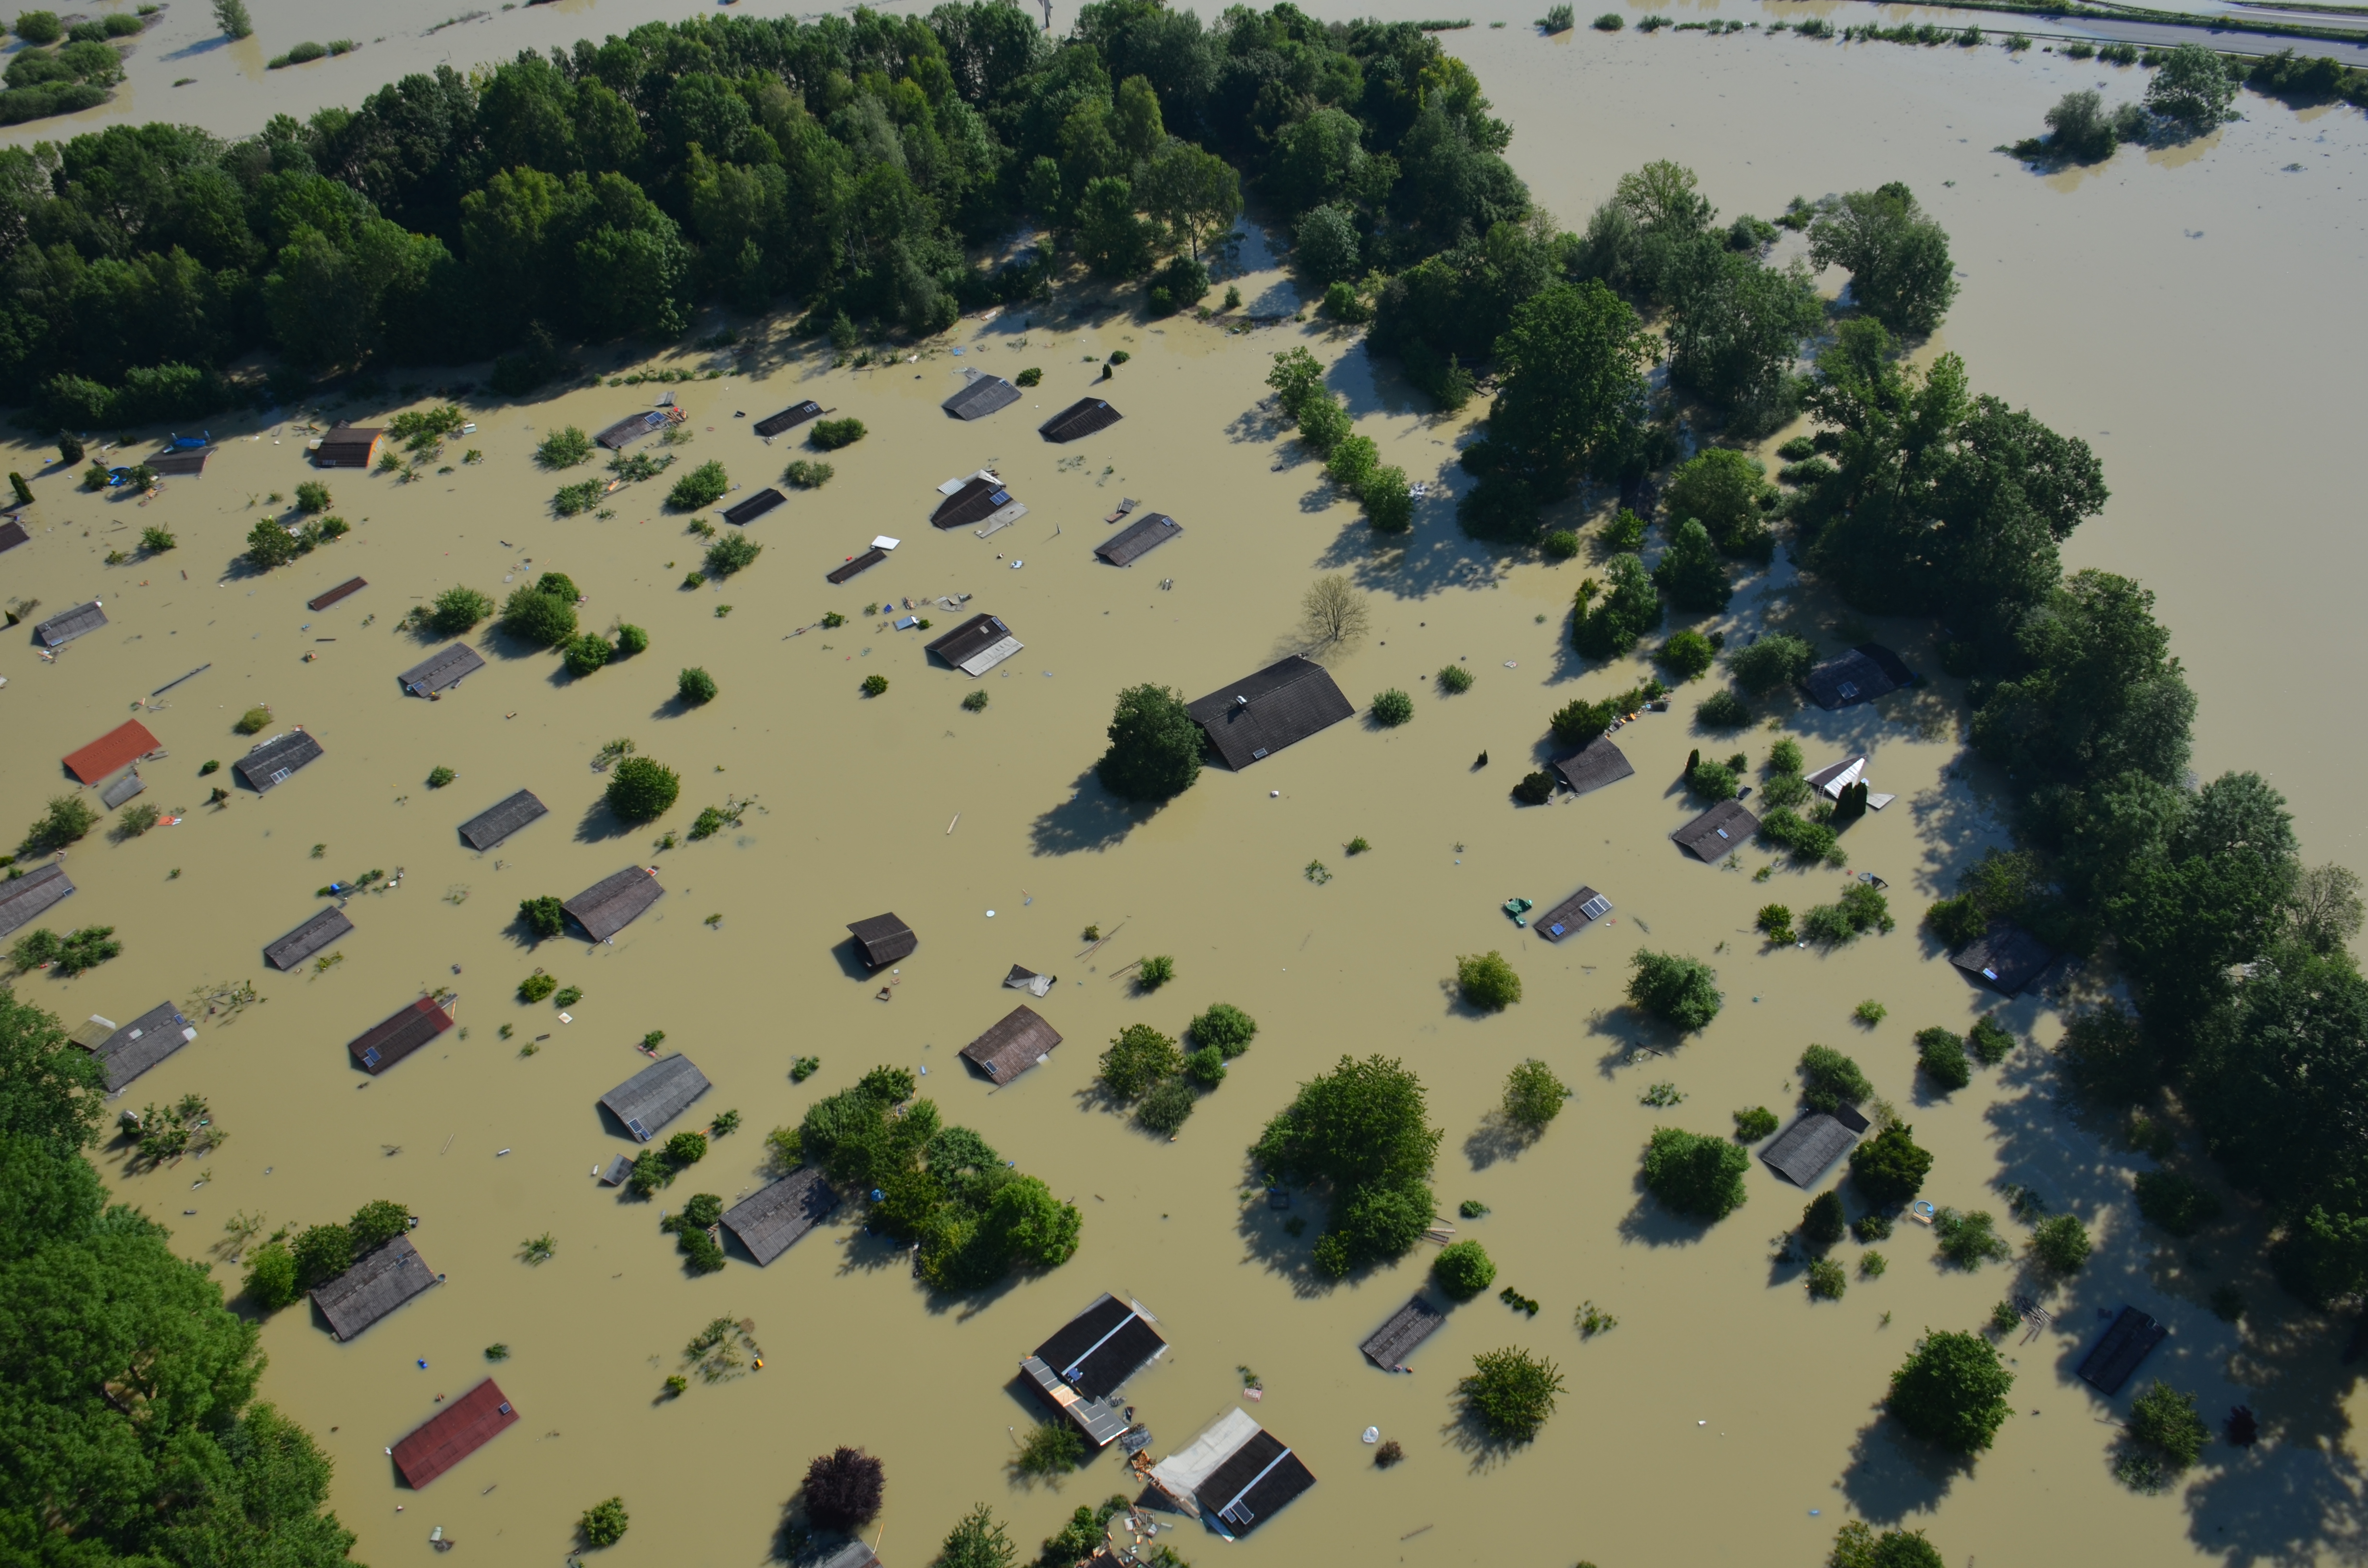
(1727, 1416)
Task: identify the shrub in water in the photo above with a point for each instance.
(1951, 1391)
(830, 435)
(1487, 982)
(1678, 990)
(875, 685)
(586, 654)
(604, 1523)
(2060, 1245)
(536, 987)
(1822, 1220)
(1535, 789)
(1510, 1392)
(1829, 1079)
(803, 474)
(702, 486)
(1686, 654)
(1889, 1168)
(642, 790)
(1168, 1107)
(1695, 1174)
(1722, 711)
(456, 611)
(1454, 678)
(565, 447)
(1137, 1059)
(1393, 708)
(1942, 1054)
(1534, 1096)
(1463, 1269)
(1751, 1126)
(1225, 1026)
(697, 688)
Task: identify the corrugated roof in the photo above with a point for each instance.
(1572, 916)
(271, 762)
(632, 428)
(1253, 1485)
(789, 418)
(984, 396)
(384, 1044)
(655, 1095)
(122, 789)
(1847, 769)
(613, 902)
(143, 1042)
(1726, 826)
(753, 507)
(977, 645)
(496, 822)
(979, 496)
(181, 462)
(64, 627)
(1098, 1351)
(1807, 1149)
(1593, 766)
(453, 1433)
(854, 1555)
(776, 1215)
(444, 668)
(1018, 1041)
(26, 896)
(857, 565)
(2130, 1340)
(308, 938)
(349, 446)
(883, 939)
(1082, 417)
(12, 534)
(1279, 706)
(1139, 537)
(350, 586)
(381, 1280)
(1389, 1345)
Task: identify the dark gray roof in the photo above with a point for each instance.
(613, 902)
(1807, 1149)
(1082, 417)
(2006, 958)
(632, 428)
(121, 788)
(883, 939)
(854, 1555)
(1253, 1485)
(620, 1171)
(1139, 537)
(985, 394)
(445, 667)
(350, 587)
(1097, 1351)
(980, 498)
(384, 1044)
(753, 507)
(857, 565)
(1018, 1041)
(1725, 826)
(1572, 916)
(184, 461)
(777, 1214)
(977, 645)
(27, 895)
(271, 762)
(1279, 705)
(1389, 1345)
(12, 534)
(496, 822)
(2130, 1340)
(381, 1280)
(655, 1095)
(143, 1042)
(1865, 672)
(308, 938)
(1593, 766)
(789, 418)
(63, 628)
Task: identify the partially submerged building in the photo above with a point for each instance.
(127, 742)
(883, 939)
(2129, 1340)
(12, 534)
(498, 822)
(383, 1045)
(323, 928)
(778, 1214)
(980, 498)
(857, 564)
(977, 645)
(1593, 766)
(1725, 826)
(983, 396)
(2004, 958)
(139, 1045)
(1234, 1476)
(381, 1279)
(1389, 1345)
(349, 446)
(634, 427)
(615, 901)
(645, 1102)
(1261, 714)
(1805, 1150)
(1865, 672)
(344, 590)
(1081, 1368)
(1138, 539)
(442, 670)
(453, 1433)
(1572, 916)
(1081, 418)
(755, 506)
(1833, 779)
(271, 762)
(26, 896)
(1020, 1040)
(67, 625)
(789, 418)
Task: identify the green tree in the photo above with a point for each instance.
(232, 18)
(456, 611)
(642, 790)
(1695, 1174)
(322, 1253)
(1630, 607)
(1691, 572)
(702, 486)
(695, 686)
(1722, 488)
(587, 653)
(1856, 1545)
(1463, 1269)
(270, 544)
(544, 916)
(1327, 249)
(272, 1279)
(2059, 1245)
(1155, 750)
(68, 818)
(2192, 89)
(381, 1219)
(1942, 1054)
(565, 447)
(1534, 1096)
(1686, 654)
(1951, 1391)
(604, 1523)
(1736, 325)
(534, 615)
(1193, 192)
(1138, 1058)
(1510, 1393)
(2165, 1419)
(1570, 395)
(1110, 236)
(1226, 1027)
(1898, 256)
(1829, 1079)
(1823, 1221)
(1361, 1131)
(51, 1091)
(978, 1540)
(1487, 982)
(1772, 661)
(1682, 992)
(1889, 1168)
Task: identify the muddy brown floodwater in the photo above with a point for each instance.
(1725, 1418)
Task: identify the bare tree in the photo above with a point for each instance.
(1332, 613)
(2326, 907)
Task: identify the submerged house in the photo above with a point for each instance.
(883, 938)
(977, 645)
(2129, 1340)
(979, 498)
(1835, 778)
(344, 590)
(453, 1433)
(983, 396)
(1593, 766)
(385, 1044)
(310, 937)
(1389, 1345)
(633, 426)
(1281, 705)
(1865, 672)
(2004, 958)
(1725, 826)
(856, 565)
(1807, 1150)
(30, 895)
(498, 822)
(181, 462)
(381, 1279)
(790, 418)
(755, 506)
(67, 625)
(1080, 1370)
(441, 670)
(272, 761)
(655, 1095)
(127, 742)
(1139, 537)
(615, 901)
(778, 1214)
(1234, 1476)
(349, 446)
(1020, 1040)
(140, 1044)
(1081, 418)
(1572, 916)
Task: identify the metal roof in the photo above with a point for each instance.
(1279, 706)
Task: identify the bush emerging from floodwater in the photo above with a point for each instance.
(641, 788)
(1510, 1393)
(696, 687)
(1393, 708)
(1695, 1174)
(1360, 1133)
(702, 486)
(1680, 991)
(1951, 1391)
(1463, 1269)
(1487, 982)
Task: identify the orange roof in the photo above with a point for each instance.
(123, 744)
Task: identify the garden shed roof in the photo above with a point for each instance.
(1865, 672)
(12, 534)
(2006, 958)
(30, 895)
(1725, 826)
(453, 1433)
(615, 901)
(984, 396)
(384, 1044)
(632, 427)
(883, 939)
(381, 1280)
(977, 645)
(2129, 1340)
(272, 761)
(122, 788)
(1593, 766)
(1807, 1149)
(1099, 1349)
(777, 1214)
(1572, 916)
(655, 1095)
(753, 507)
(63, 628)
(308, 938)
(1020, 1040)
(857, 564)
(181, 462)
(789, 418)
(854, 1555)
(1261, 714)
(1139, 537)
(973, 500)
(444, 668)
(496, 822)
(141, 1043)
(1389, 1345)
(1082, 417)
(349, 446)
(346, 589)
(128, 742)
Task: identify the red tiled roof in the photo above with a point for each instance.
(469, 1424)
(125, 743)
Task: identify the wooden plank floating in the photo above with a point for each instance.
(753, 507)
(455, 1432)
(323, 928)
(489, 827)
(858, 565)
(346, 589)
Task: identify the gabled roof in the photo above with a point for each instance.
(977, 645)
(753, 507)
(1831, 779)
(30, 895)
(351, 585)
(143, 1042)
(655, 1095)
(774, 1215)
(789, 418)
(445, 667)
(2006, 958)
(1281, 704)
(383, 1045)
(1139, 537)
(122, 789)
(1725, 826)
(985, 394)
(308, 938)
(381, 1280)
(1253, 1485)
(883, 939)
(857, 564)
(1865, 672)
(185, 461)
(347, 446)
(1807, 1149)
(455, 1432)
(1593, 766)
(1097, 1351)
(1572, 916)
(977, 498)
(128, 742)
(1018, 1041)
(63, 628)
(1082, 417)
(271, 762)
(632, 428)
(498, 822)
(613, 902)
(2130, 1340)
(1389, 1345)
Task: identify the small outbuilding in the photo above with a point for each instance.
(1139, 537)
(121, 790)
(883, 938)
(1593, 766)
(789, 418)
(769, 1220)
(271, 762)
(645, 1102)
(455, 1432)
(1081, 1368)
(615, 901)
(24, 898)
(753, 507)
(1865, 672)
(985, 395)
(381, 1279)
(857, 564)
(1805, 1150)
(980, 498)
(977, 645)
(1572, 916)
(63, 628)
(127, 742)
(490, 826)
(2006, 958)
(1725, 826)
(1835, 778)
(1081, 418)
(853, 1554)
(442, 670)
(12, 534)
(1281, 705)
(323, 928)
(181, 462)
(141, 1043)
(1234, 1476)
(1389, 1345)
(349, 446)
(2129, 1340)
(383, 1045)
(634, 427)
(1020, 1040)
(1022, 978)
(346, 589)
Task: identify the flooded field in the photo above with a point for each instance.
(1726, 1418)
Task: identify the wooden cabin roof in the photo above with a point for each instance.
(1099, 1349)
(1865, 672)
(446, 667)
(323, 928)
(753, 507)
(498, 822)
(1727, 825)
(789, 418)
(655, 1095)
(1018, 1041)
(381, 1280)
(613, 902)
(2129, 1340)
(859, 564)
(883, 939)
(1253, 1485)
(181, 462)
(1139, 537)
(1281, 705)
(1807, 1150)
(349, 446)
(1593, 766)
(977, 498)
(1389, 1345)
(777, 1214)
(128, 742)
(977, 645)
(1082, 417)
(350, 586)
(143, 1042)
(384, 1044)
(1572, 916)
(453, 1433)
(984, 396)
(67, 625)
(26, 897)
(270, 763)
(2004, 958)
